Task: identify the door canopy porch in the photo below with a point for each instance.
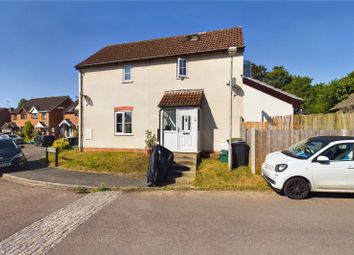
(182, 98)
(180, 120)
(41, 125)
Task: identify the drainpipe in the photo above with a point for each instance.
(159, 129)
(80, 112)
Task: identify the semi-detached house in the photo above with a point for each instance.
(174, 86)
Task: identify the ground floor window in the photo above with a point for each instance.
(123, 123)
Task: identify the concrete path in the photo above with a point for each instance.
(39, 173)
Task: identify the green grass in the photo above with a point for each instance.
(80, 190)
(213, 174)
(101, 188)
(127, 163)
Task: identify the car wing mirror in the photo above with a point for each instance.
(323, 160)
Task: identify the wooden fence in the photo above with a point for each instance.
(331, 121)
(263, 142)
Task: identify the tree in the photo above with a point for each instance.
(21, 103)
(258, 72)
(278, 77)
(28, 130)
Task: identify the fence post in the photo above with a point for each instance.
(56, 157)
(253, 150)
(344, 132)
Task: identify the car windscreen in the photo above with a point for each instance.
(8, 145)
(305, 148)
(13, 136)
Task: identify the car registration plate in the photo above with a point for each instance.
(5, 164)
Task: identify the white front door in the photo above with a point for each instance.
(187, 129)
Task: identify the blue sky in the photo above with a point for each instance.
(41, 42)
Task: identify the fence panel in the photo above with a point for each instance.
(267, 141)
(331, 121)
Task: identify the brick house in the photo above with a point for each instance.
(45, 114)
(4, 117)
(69, 125)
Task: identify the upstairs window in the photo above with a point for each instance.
(34, 115)
(123, 123)
(23, 116)
(127, 72)
(44, 116)
(182, 67)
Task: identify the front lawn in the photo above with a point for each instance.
(127, 163)
(213, 174)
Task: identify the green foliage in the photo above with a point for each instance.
(61, 144)
(318, 98)
(28, 130)
(150, 139)
(102, 187)
(128, 163)
(81, 190)
(214, 174)
(259, 72)
(21, 103)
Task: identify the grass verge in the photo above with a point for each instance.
(213, 174)
(128, 163)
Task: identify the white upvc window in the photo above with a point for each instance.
(182, 67)
(123, 123)
(127, 72)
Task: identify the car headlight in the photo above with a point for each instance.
(18, 155)
(280, 167)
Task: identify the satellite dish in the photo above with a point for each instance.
(238, 90)
(88, 100)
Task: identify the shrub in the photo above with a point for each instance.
(61, 144)
(150, 139)
(28, 130)
(101, 188)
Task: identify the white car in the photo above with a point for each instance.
(321, 164)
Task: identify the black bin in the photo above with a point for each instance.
(240, 153)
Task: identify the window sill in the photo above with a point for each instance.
(127, 81)
(122, 134)
(182, 77)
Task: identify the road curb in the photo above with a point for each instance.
(54, 185)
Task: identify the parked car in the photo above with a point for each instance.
(11, 155)
(16, 138)
(321, 164)
(45, 140)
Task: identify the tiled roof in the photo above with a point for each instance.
(346, 104)
(181, 98)
(43, 104)
(272, 91)
(71, 108)
(166, 47)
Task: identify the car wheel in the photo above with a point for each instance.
(297, 188)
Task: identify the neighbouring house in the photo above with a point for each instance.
(5, 117)
(347, 105)
(176, 87)
(69, 125)
(45, 114)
